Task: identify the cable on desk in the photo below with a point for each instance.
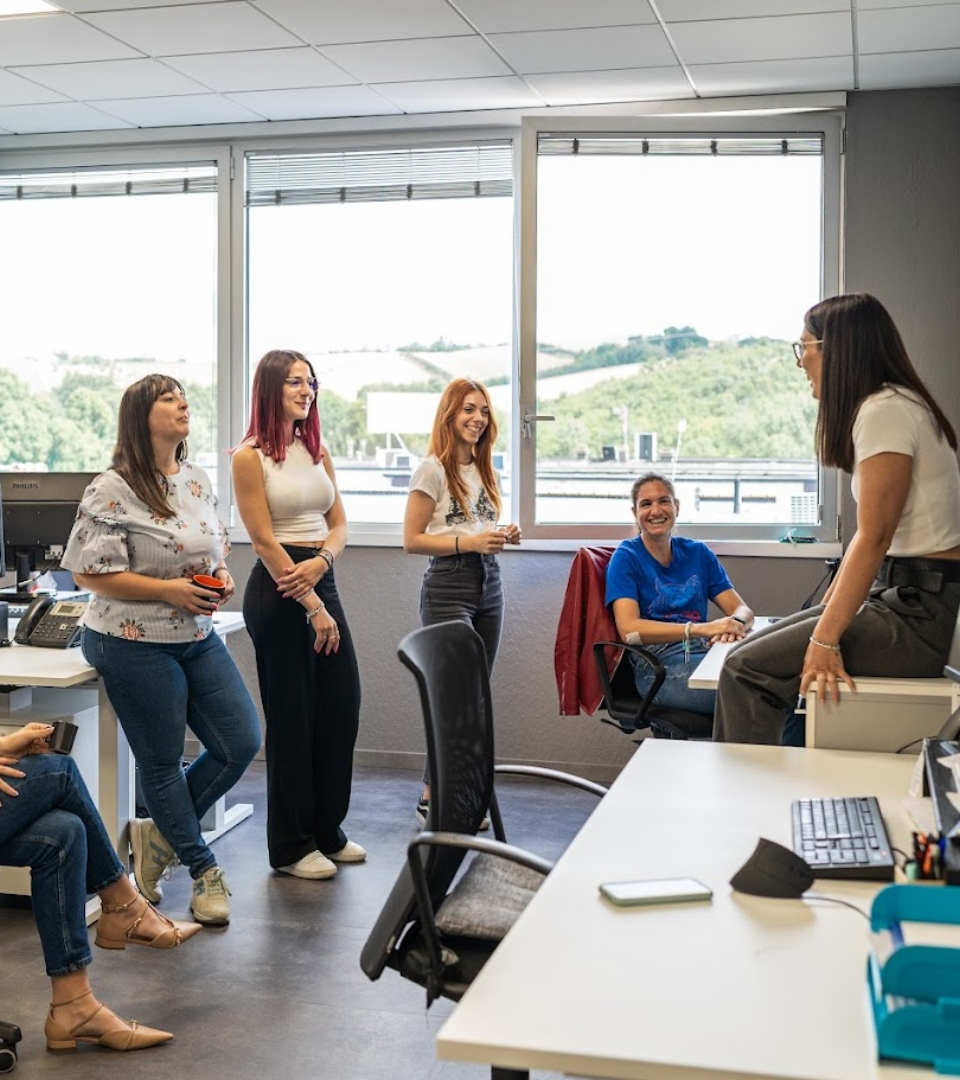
(837, 900)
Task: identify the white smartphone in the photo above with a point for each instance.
(658, 891)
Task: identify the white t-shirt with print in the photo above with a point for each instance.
(448, 516)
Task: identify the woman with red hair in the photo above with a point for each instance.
(451, 515)
(286, 492)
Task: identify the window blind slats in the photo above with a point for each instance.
(448, 172)
(680, 145)
(103, 183)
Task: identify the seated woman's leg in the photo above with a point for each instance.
(54, 846)
(760, 681)
(222, 715)
(675, 691)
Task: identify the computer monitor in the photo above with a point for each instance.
(3, 564)
(38, 511)
(951, 729)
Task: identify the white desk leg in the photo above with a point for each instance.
(220, 818)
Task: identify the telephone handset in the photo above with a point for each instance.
(50, 623)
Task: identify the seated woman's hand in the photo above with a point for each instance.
(30, 739)
(724, 631)
(7, 769)
(823, 671)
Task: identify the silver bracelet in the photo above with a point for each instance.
(321, 606)
(824, 645)
(327, 556)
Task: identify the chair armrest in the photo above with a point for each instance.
(553, 774)
(659, 674)
(421, 889)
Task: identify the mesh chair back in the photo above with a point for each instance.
(450, 665)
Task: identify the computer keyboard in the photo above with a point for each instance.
(842, 838)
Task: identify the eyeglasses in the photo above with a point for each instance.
(799, 346)
(298, 384)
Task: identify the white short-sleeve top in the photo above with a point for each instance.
(116, 531)
(448, 516)
(895, 420)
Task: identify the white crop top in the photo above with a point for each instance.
(299, 493)
(895, 420)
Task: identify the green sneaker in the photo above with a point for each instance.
(153, 858)
(209, 904)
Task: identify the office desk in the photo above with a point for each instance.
(743, 987)
(101, 749)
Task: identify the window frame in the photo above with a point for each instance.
(176, 153)
(728, 539)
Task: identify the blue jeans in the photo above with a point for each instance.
(465, 588)
(675, 692)
(157, 690)
(53, 827)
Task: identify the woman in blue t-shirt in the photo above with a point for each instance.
(658, 586)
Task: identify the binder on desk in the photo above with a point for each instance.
(915, 989)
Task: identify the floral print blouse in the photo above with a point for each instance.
(115, 531)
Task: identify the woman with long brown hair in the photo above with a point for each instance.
(286, 491)
(451, 516)
(892, 607)
(145, 527)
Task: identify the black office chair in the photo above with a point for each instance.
(630, 711)
(436, 936)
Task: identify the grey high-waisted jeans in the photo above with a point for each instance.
(900, 632)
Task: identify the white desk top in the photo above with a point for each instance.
(740, 987)
(25, 665)
(707, 672)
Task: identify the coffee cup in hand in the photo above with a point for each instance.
(205, 581)
(61, 739)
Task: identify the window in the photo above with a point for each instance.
(391, 269)
(672, 271)
(109, 273)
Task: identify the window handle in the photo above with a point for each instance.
(529, 419)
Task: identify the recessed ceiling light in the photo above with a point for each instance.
(25, 7)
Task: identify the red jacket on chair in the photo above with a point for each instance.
(584, 619)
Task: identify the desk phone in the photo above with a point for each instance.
(51, 624)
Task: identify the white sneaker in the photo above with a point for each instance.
(209, 903)
(153, 858)
(350, 852)
(314, 866)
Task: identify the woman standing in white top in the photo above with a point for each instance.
(892, 608)
(286, 492)
(451, 515)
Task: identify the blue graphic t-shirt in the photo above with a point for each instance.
(675, 593)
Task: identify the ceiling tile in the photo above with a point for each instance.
(178, 111)
(697, 10)
(597, 87)
(501, 16)
(17, 91)
(888, 71)
(461, 95)
(890, 31)
(330, 22)
(416, 61)
(55, 39)
(111, 79)
(197, 28)
(68, 116)
(863, 5)
(611, 47)
(81, 6)
(774, 76)
(740, 40)
(262, 69)
(317, 103)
